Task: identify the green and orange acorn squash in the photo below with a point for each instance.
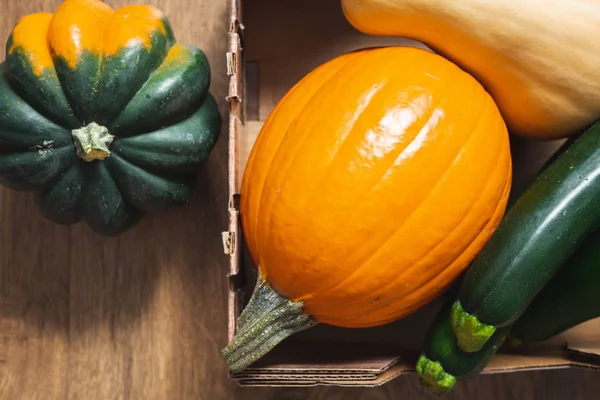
(103, 114)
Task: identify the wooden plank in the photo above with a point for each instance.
(141, 316)
(35, 271)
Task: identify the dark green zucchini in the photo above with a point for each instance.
(537, 236)
(442, 362)
(569, 299)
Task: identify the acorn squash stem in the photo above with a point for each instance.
(92, 142)
(268, 319)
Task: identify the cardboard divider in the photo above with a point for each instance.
(273, 47)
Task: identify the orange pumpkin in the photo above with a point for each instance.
(372, 185)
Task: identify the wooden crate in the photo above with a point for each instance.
(271, 47)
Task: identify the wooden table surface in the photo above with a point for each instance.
(143, 316)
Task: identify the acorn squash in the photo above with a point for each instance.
(371, 186)
(102, 114)
(537, 59)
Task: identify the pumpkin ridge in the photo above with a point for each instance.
(468, 212)
(260, 186)
(427, 286)
(424, 121)
(501, 203)
(289, 160)
(382, 243)
(281, 103)
(257, 148)
(495, 218)
(503, 194)
(344, 142)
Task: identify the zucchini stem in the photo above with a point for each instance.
(471, 334)
(433, 377)
(268, 319)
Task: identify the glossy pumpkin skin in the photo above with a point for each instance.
(373, 183)
(538, 61)
(122, 70)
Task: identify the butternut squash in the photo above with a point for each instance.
(538, 59)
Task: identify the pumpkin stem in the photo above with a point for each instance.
(268, 319)
(92, 142)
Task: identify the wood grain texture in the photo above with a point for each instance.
(143, 316)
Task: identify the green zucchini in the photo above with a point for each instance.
(441, 362)
(537, 236)
(569, 299)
